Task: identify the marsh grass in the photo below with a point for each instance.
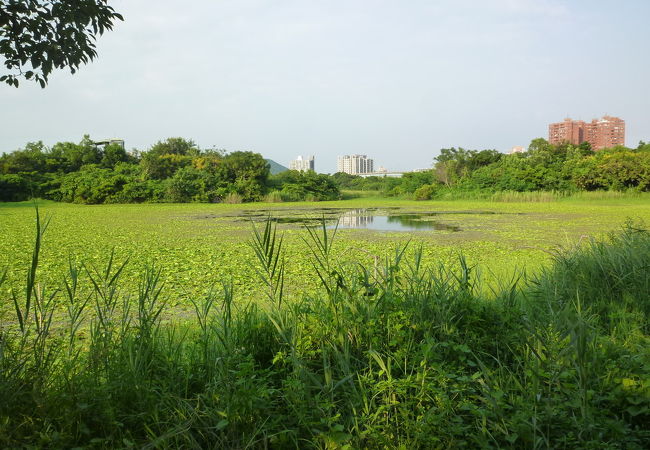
(536, 196)
(233, 198)
(273, 197)
(393, 355)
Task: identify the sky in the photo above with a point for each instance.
(393, 79)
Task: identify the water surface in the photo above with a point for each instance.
(377, 219)
(363, 219)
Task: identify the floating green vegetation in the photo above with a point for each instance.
(393, 352)
(200, 243)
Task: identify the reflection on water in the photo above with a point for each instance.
(360, 218)
(369, 219)
(357, 218)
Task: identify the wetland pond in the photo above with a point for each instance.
(375, 219)
(362, 219)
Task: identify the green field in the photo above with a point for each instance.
(197, 245)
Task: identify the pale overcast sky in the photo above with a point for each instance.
(394, 79)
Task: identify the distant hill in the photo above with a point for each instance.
(275, 167)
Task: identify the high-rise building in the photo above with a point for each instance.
(354, 164)
(600, 133)
(606, 132)
(302, 164)
(571, 131)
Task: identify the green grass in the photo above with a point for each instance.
(400, 352)
(537, 196)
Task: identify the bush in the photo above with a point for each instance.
(233, 198)
(14, 188)
(91, 185)
(425, 192)
(187, 184)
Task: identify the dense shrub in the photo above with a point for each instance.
(14, 188)
(424, 192)
(91, 185)
(296, 186)
(614, 169)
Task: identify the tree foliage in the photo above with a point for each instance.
(296, 186)
(173, 170)
(562, 167)
(544, 167)
(455, 163)
(38, 36)
(177, 170)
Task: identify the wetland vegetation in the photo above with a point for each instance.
(204, 325)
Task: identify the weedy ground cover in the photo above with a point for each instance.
(394, 353)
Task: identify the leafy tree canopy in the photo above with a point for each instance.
(37, 36)
(174, 146)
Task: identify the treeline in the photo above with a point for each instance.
(174, 170)
(177, 170)
(544, 167)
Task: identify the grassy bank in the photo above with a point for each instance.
(394, 353)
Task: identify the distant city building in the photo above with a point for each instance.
(303, 165)
(600, 133)
(606, 132)
(105, 142)
(354, 164)
(382, 169)
(571, 131)
(517, 149)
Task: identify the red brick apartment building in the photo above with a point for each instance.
(600, 133)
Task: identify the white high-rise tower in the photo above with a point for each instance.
(301, 164)
(354, 164)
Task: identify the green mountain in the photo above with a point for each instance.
(275, 167)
